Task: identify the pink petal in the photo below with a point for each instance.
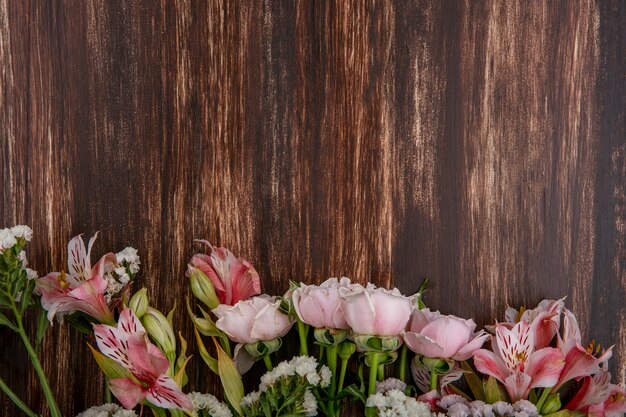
(468, 350)
(489, 363)
(359, 312)
(129, 322)
(423, 345)
(78, 263)
(518, 386)
(146, 357)
(166, 394)
(419, 319)
(578, 363)
(127, 392)
(514, 343)
(544, 367)
(449, 333)
(245, 280)
(545, 326)
(393, 312)
(112, 342)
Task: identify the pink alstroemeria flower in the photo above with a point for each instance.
(128, 345)
(598, 397)
(544, 320)
(435, 335)
(579, 361)
(234, 279)
(83, 288)
(516, 363)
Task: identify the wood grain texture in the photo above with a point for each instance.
(481, 144)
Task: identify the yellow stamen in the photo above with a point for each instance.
(521, 356)
(62, 281)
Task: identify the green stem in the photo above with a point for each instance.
(542, 399)
(16, 399)
(45, 385)
(373, 370)
(433, 380)
(331, 361)
(107, 391)
(321, 354)
(403, 353)
(303, 331)
(268, 362)
(381, 372)
(342, 375)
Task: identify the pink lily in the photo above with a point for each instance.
(598, 397)
(544, 320)
(128, 345)
(234, 279)
(82, 289)
(579, 361)
(517, 364)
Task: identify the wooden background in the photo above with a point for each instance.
(481, 144)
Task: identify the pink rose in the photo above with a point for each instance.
(320, 306)
(434, 335)
(256, 319)
(375, 311)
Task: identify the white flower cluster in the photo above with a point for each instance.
(394, 403)
(457, 406)
(9, 236)
(206, 405)
(130, 257)
(304, 366)
(107, 410)
(389, 384)
(118, 278)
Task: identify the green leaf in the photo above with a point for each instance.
(355, 392)
(475, 384)
(110, 368)
(231, 380)
(4, 321)
(42, 327)
(492, 391)
(204, 354)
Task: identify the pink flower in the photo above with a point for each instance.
(128, 345)
(234, 279)
(83, 288)
(375, 311)
(544, 320)
(517, 364)
(434, 335)
(320, 305)
(253, 320)
(598, 397)
(579, 362)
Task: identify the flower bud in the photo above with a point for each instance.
(202, 288)
(262, 348)
(552, 404)
(160, 329)
(139, 302)
(368, 343)
(346, 349)
(330, 337)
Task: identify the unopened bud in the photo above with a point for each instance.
(160, 329)
(552, 404)
(139, 302)
(346, 349)
(368, 343)
(202, 288)
(330, 337)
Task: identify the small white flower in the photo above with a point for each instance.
(458, 410)
(389, 384)
(7, 239)
(502, 408)
(449, 400)
(129, 255)
(31, 274)
(326, 375)
(394, 403)
(309, 404)
(22, 231)
(209, 405)
(526, 407)
(107, 410)
(250, 399)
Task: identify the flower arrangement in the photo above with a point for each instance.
(356, 344)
